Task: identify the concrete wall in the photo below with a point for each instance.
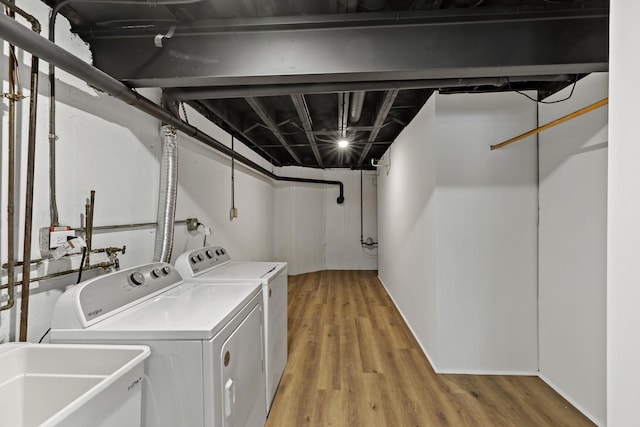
(623, 245)
(458, 233)
(573, 252)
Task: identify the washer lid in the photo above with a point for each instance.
(235, 270)
(186, 312)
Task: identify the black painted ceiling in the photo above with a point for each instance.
(290, 77)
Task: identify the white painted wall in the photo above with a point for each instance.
(458, 233)
(572, 251)
(407, 226)
(300, 221)
(114, 149)
(314, 232)
(343, 250)
(487, 234)
(623, 245)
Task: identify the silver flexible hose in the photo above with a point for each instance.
(167, 195)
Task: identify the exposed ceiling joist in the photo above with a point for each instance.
(227, 92)
(210, 107)
(307, 124)
(383, 111)
(361, 47)
(260, 110)
(294, 58)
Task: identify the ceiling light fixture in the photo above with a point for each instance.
(343, 143)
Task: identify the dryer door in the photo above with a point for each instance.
(243, 378)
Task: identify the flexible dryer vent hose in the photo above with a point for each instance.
(167, 195)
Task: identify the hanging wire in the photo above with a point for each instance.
(575, 81)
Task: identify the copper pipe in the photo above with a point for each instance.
(568, 117)
(11, 148)
(28, 213)
(35, 25)
(33, 106)
(106, 264)
(109, 250)
(89, 225)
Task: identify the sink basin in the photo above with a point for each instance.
(71, 385)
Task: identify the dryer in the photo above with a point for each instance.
(206, 363)
(213, 264)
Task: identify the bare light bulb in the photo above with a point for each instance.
(343, 143)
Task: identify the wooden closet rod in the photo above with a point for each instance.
(573, 115)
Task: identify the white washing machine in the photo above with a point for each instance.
(214, 264)
(206, 364)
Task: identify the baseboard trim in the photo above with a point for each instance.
(438, 370)
(568, 398)
(487, 372)
(424, 350)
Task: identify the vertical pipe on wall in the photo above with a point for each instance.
(53, 204)
(11, 159)
(28, 211)
(167, 195)
(361, 213)
(232, 213)
(31, 151)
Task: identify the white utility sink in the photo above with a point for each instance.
(71, 385)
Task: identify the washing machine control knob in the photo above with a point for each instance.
(222, 251)
(209, 253)
(155, 273)
(200, 257)
(194, 259)
(166, 270)
(136, 278)
(218, 252)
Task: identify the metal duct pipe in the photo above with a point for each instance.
(15, 33)
(167, 195)
(357, 101)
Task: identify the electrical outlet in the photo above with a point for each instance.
(54, 237)
(192, 224)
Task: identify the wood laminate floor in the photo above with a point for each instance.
(353, 362)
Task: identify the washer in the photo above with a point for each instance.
(213, 263)
(206, 363)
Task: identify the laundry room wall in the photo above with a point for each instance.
(487, 234)
(407, 226)
(205, 190)
(623, 224)
(572, 248)
(114, 149)
(314, 232)
(465, 232)
(300, 212)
